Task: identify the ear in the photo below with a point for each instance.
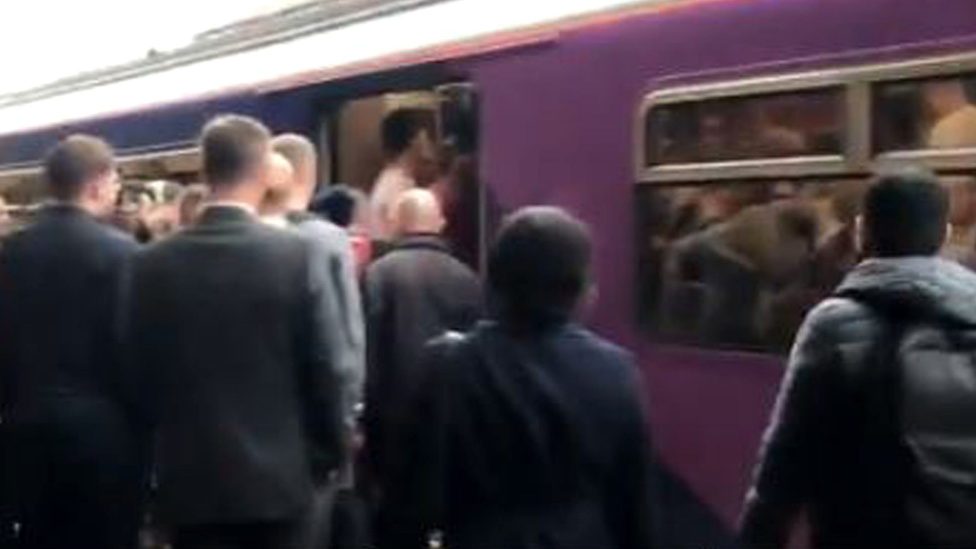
(860, 239)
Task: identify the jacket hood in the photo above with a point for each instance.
(927, 286)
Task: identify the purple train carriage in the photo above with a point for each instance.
(718, 148)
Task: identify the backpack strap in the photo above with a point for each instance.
(877, 392)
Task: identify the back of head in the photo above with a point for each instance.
(75, 162)
(417, 211)
(337, 204)
(400, 128)
(234, 150)
(300, 153)
(538, 267)
(279, 185)
(905, 214)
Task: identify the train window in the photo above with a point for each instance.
(738, 265)
(932, 113)
(773, 125)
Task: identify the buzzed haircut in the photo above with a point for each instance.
(75, 161)
(400, 128)
(297, 149)
(233, 146)
(905, 213)
(538, 267)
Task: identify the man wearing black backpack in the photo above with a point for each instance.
(874, 432)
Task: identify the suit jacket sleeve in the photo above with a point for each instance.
(342, 274)
(321, 372)
(802, 423)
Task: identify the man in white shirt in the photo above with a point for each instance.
(408, 147)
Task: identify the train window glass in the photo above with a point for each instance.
(775, 125)
(739, 265)
(933, 113)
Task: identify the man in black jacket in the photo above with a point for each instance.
(530, 431)
(74, 461)
(237, 372)
(416, 292)
(872, 434)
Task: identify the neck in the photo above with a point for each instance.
(298, 202)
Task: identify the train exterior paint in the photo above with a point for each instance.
(557, 128)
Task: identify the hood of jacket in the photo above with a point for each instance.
(924, 286)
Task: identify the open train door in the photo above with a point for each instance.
(466, 198)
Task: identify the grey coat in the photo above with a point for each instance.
(810, 453)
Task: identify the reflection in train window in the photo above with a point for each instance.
(778, 125)
(739, 265)
(935, 113)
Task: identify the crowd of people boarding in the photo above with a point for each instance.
(257, 375)
(243, 380)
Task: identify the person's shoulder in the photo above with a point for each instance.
(603, 348)
(836, 318)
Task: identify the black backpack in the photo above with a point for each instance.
(919, 421)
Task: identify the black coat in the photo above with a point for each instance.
(239, 375)
(524, 440)
(414, 293)
(75, 460)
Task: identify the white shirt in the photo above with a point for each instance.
(393, 181)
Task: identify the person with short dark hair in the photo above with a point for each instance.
(865, 437)
(348, 208)
(529, 431)
(76, 471)
(409, 150)
(239, 373)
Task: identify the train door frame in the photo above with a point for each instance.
(328, 139)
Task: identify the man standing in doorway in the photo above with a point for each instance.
(409, 149)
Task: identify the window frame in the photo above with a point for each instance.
(857, 85)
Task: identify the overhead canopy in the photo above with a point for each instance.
(336, 52)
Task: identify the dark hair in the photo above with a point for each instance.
(74, 162)
(297, 149)
(400, 128)
(538, 266)
(232, 146)
(905, 213)
(337, 204)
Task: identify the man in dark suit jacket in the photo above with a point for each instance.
(238, 372)
(529, 431)
(73, 461)
(416, 292)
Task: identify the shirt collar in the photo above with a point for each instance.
(231, 204)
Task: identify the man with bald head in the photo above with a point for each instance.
(414, 293)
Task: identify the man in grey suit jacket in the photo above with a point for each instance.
(239, 373)
(289, 201)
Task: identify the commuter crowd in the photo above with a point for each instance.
(256, 374)
(274, 367)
